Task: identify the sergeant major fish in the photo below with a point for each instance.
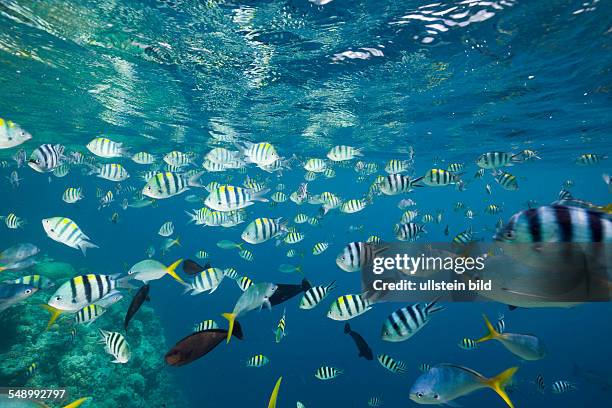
(67, 232)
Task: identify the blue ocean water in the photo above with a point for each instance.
(451, 80)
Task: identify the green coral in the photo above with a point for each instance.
(83, 367)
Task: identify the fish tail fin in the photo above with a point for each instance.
(493, 334)
(177, 241)
(55, 313)
(274, 396)
(259, 196)
(416, 182)
(124, 281)
(171, 270)
(499, 382)
(78, 402)
(332, 285)
(282, 224)
(192, 217)
(433, 306)
(83, 245)
(194, 181)
(231, 318)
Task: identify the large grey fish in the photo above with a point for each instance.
(255, 297)
(13, 293)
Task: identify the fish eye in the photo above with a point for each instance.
(419, 395)
(509, 234)
(219, 202)
(28, 291)
(436, 396)
(58, 298)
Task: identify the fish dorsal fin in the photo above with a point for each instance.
(462, 368)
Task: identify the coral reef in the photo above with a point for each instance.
(82, 366)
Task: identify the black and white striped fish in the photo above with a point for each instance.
(590, 159)
(468, 344)
(84, 290)
(13, 222)
(407, 321)
(396, 367)
(397, 183)
(258, 360)
(540, 384)
(441, 177)
(557, 223)
(166, 229)
(106, 148)
(494, 160)
(205, 325)
(409, 231)
(89, 314)
(116, 345)
(111, 172)
(506, 180)
(500, 326)
(315, 295)
(263, 229)
(356, 254)
(106, 199)
(66, 231)
(169, 184)
(325, 373)
(46, 158)
(561, 386)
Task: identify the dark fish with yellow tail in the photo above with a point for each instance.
(364, 350)
(141, 296)
(199, 344)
